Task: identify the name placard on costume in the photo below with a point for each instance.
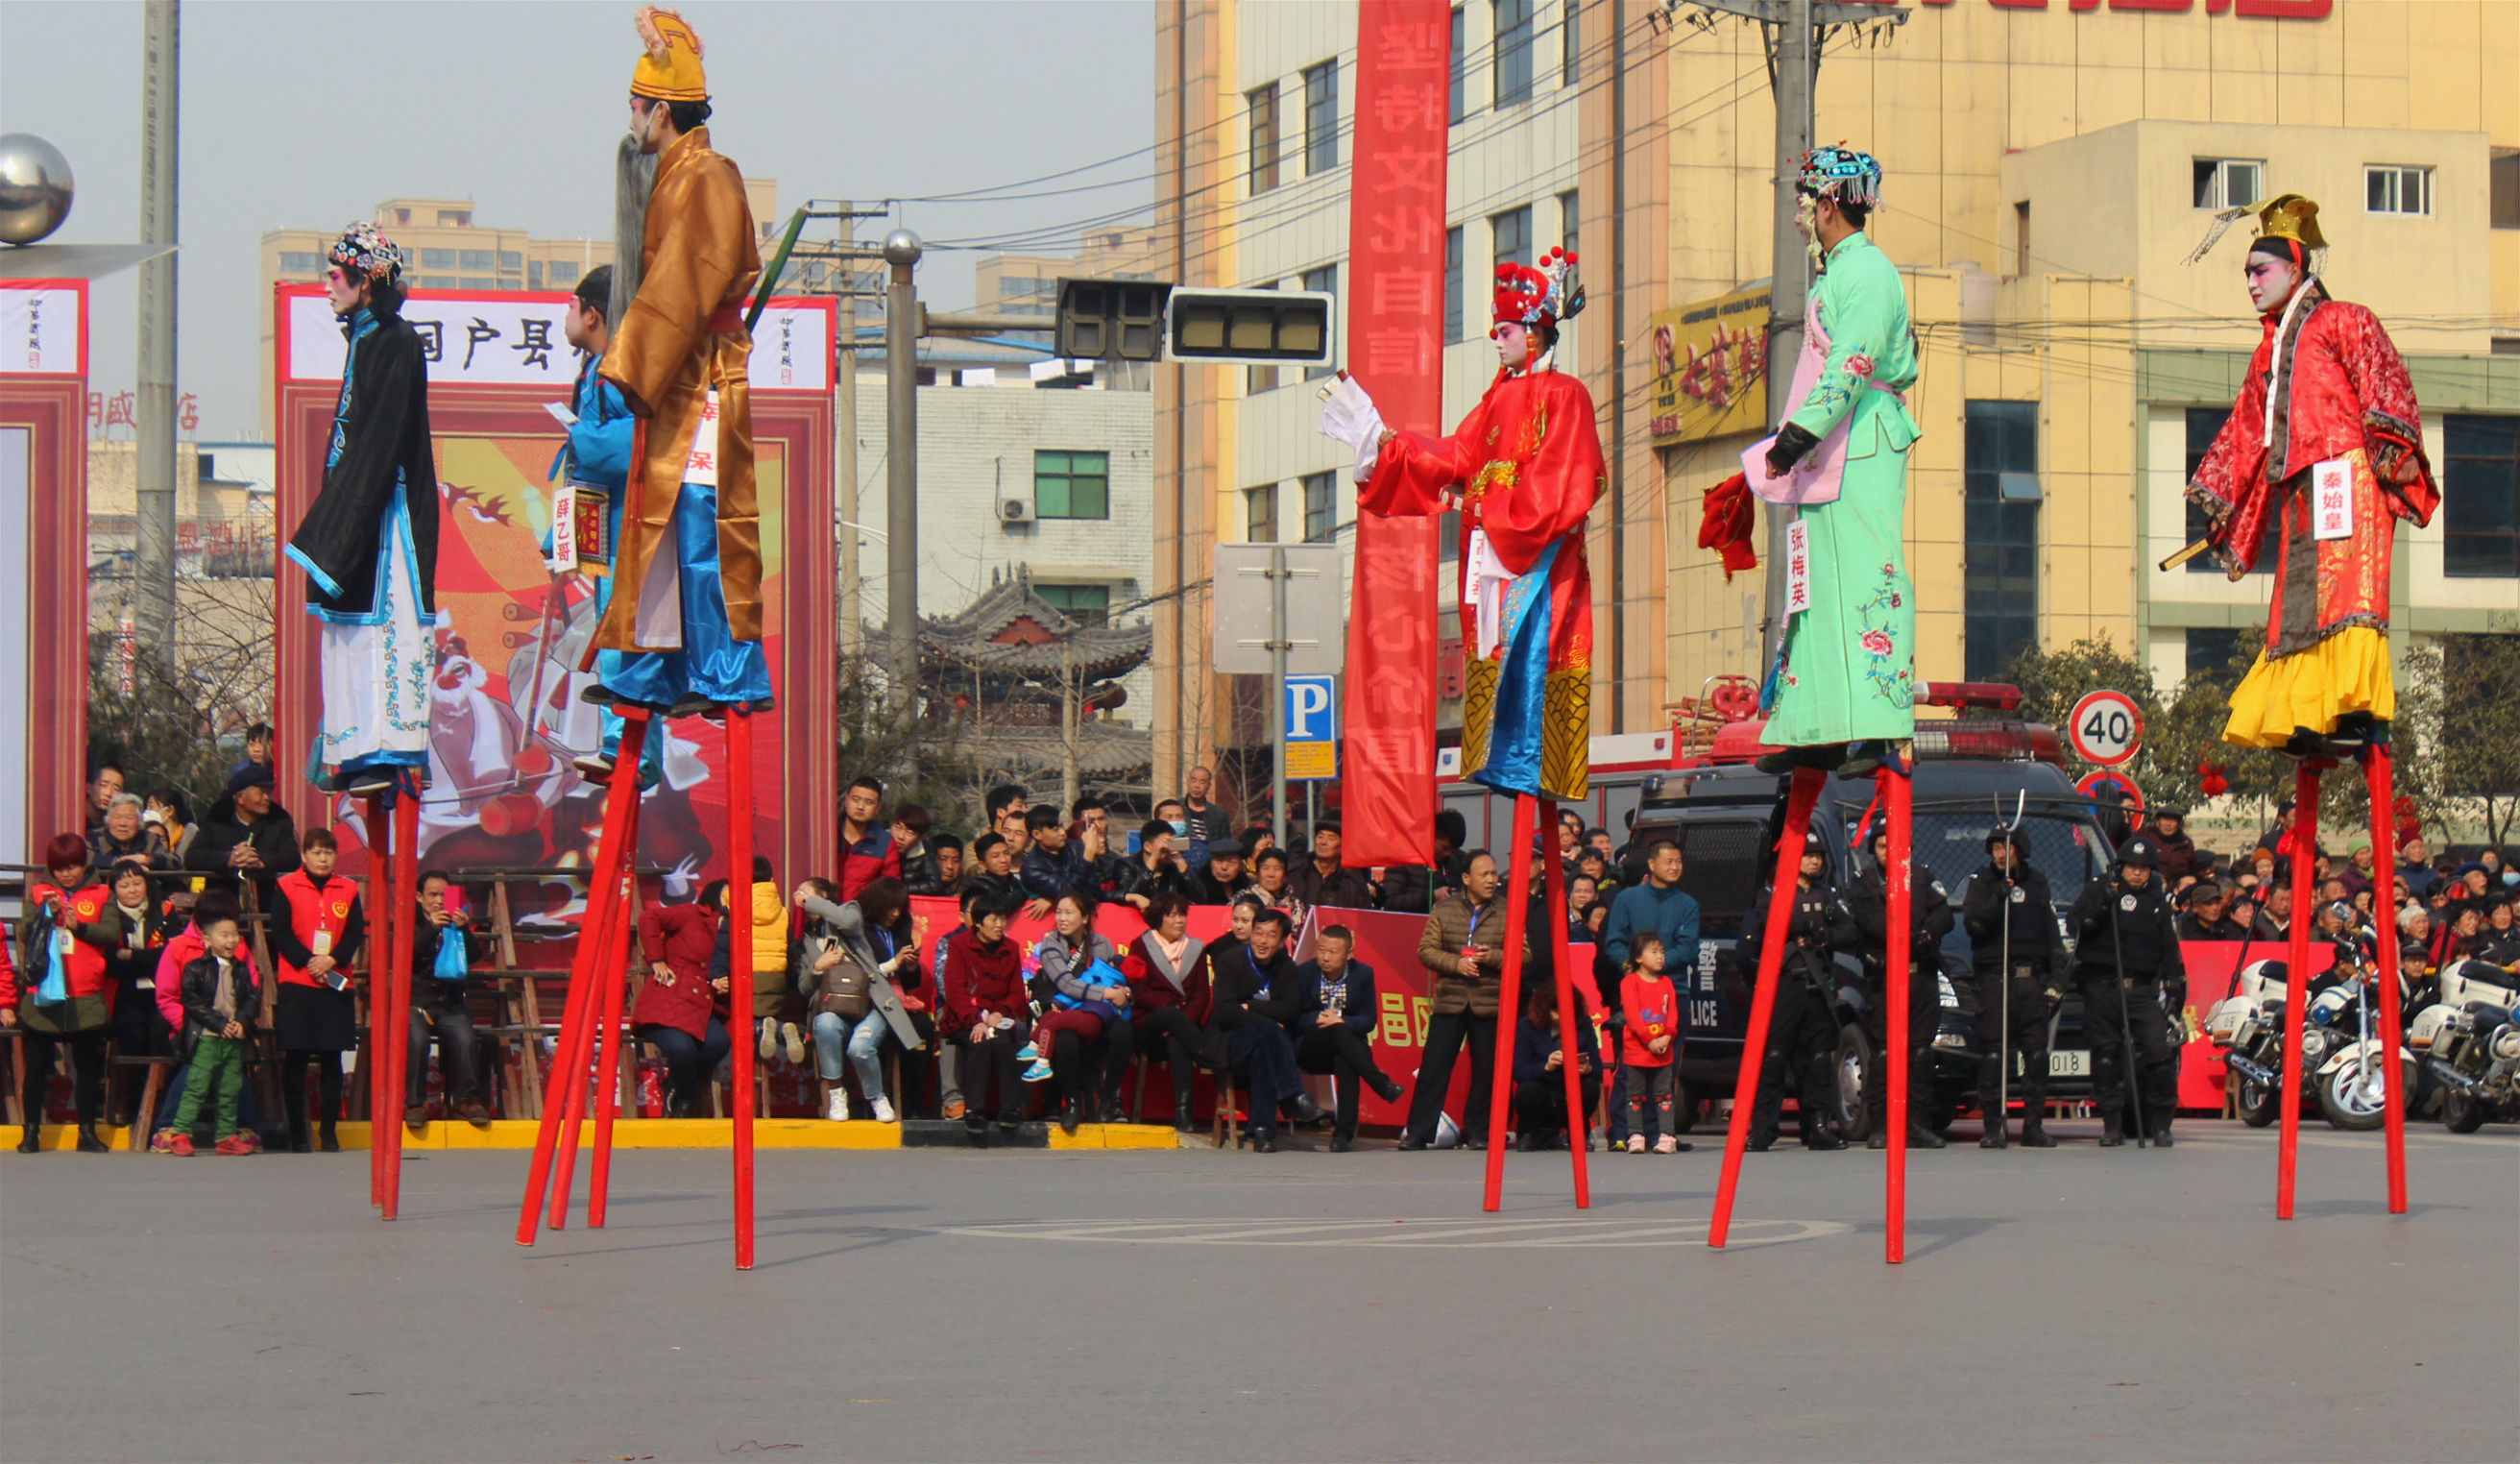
(2331, 500)
(512, 338)
(1798, 592)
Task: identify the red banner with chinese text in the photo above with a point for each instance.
(1395, 348)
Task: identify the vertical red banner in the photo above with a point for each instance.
(1395, 348)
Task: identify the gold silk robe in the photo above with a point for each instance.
(681, 337)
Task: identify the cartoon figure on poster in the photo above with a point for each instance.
(2325, 446)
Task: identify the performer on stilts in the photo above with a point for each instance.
(1840, 694)
(2326, 444)
(685, 611)
(369, 547)
(1525, 468)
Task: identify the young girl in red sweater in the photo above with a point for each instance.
(1648, 1049)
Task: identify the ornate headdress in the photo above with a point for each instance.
(364, 251)
(1841, 173)
(670, 70)
(1537, 295)
(2287, 228)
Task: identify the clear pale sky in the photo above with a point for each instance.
(306, 115)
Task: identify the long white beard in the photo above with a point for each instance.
(634, 177)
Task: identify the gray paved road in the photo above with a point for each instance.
(2079, 1305)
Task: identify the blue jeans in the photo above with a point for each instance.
(859, 1040)
(689, 1063)
(712, 664)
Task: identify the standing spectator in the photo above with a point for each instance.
(75, 911)
(948, 853)
(1156, 871)
(318, 928)
(131, 966)
(1258, 840)
(993, 877)
(681, 1007)
(1006, 811)
(2499, 943)
(1416, 887)
(868, 850)
(1323, 881)
(1334, 1015)
(774, 1015)
(2275, 919)
(1052, 866)
(1656, 906)
(1085, 1032)
(123, 835)
(171, 812)
(2358, 874)
(443, 953)
(2278, 834)
(2471, 886)
(247, 836)
(2207, 919)
(2458, 938)
(219, 989)
(1190, 837)
(1581, 894)
(855, 944)
(1541, 1119)
(1168, 981)
(1103, 869)
(2416, 943)
(1223, 879)
(921, 871)
(1247, 1029)
(1570, 839)
(987, 1016)
(1211, 820)
(104, 781)
(1648, 1047)
(257, 748)
(2171, 844)
(1272, 886)
(1463, 946)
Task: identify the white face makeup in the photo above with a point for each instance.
(2271, 280)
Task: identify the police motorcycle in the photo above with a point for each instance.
(2248, 1027)
(2340, 1040)
(2467, 1046)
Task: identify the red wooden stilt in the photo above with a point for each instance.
(1799, 802)
(1578, 1116)
(406, 897)
(380, 924)
(1899, 805)
(612, 947)
(2304, 853)
(738, 948)
(2377, 769)
(576, 1019)
(614, 974)
(1517, 906)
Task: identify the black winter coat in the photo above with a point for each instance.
(1866, 903)
(2112, 921)
(1818, 927)
(2035, 938)
(274, 837)
(383, 430)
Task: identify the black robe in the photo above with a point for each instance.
(384, 427)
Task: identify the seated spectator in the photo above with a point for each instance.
(1054, 866)
(847, 949)
(1257, 838)
(2171, 846)
(682, 1006)
(1334, 1013)
(986, 1016)
(1271, 884)
(1103, 869)
(1463, 948)
(2469, 885)
(948, 853)
(318, 928)
(2209, 905)
(1541, 1119)
(131, 969)
(1157, 870)
(920, 873)
(2244, 913)
(1225, 877)
(1415, 888)
(1168, 981)
(2416, 943)
(171, 812)
(2414, 867)
(1582, 892)
(2358, 873)
(1246, 1034)
(76, 904)
(245, 837)
(2335, 920)
(2274, 914)
(1324, 881)
(1083, 1032)
(221, 992)
(123, 835)
(443, 953)
(868, 850)
(773, 1012)
(1570, 841)
(2498, 943)
(2458, 938)
(1650, 1030)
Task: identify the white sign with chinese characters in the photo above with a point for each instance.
(1798, 584)
(39, 332)
(506, 340)
(2331, 500)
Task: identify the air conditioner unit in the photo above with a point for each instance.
(1014, 511)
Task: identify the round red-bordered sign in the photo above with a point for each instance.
(2105, 728)
(2093, 783)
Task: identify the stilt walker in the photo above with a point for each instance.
(686, 608)
(1840, 694)
(2323, 452)
(381, 923)
(1524, 468)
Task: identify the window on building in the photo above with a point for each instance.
(2502, 189)
(1460, 63)
(480, 282)
(2001, 582)
(2391, 188)
(1511, 233)
(1087, 603)
(1452, 283)
(1322, 280)
(2227, 182)
(560, 273)
(1321, 118)
(2203, 425)
(2479, 496)
(1570, 213)
(1260, 514)
(454, 219)
(2210, 654)
(510, 259)
(293, 262)
(437, 259)
(1513, 68)
(1263, 102)
(1320, 507)
(1570, 55)
(533, 274)
(477, 259)
(441, 281)
(1071, 484)
(2021, 238)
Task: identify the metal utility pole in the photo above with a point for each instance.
(852, 611)
(901, 331)
(153, 469)
(1278, 645)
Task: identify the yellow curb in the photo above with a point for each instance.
(672, 1133)
(1115, 1136)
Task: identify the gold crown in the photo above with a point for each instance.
(670, 70)
(2290, 215)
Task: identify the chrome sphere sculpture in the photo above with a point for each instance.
(34, 187)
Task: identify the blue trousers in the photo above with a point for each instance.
(711, 663)
(1263, 1052)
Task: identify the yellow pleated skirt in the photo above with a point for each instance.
(2347, 672)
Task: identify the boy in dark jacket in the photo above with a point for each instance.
(219, 989)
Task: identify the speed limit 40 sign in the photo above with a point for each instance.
(2105, 728)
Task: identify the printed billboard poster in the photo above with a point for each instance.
(1710, 368)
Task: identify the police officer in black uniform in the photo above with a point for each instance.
(2014, 943)
(1802, 1029)
(1867, 908)
(2127, 956)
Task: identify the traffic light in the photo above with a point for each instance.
(1119, 320)
(1249, 327)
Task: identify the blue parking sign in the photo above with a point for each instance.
(1311, 714)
